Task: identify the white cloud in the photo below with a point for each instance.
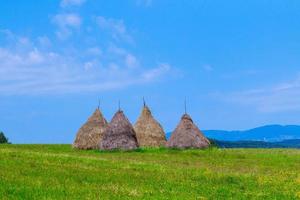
(279, 98)
(207, 68)
(66, 3)
(67, 20)
(35, 57)
(66, 23)
(116, 28)
(40, 65)
(24, 41)
(131, 61)
(35, 71)
(44, 41)
(7, 33)
(96, 51)
(145, 3)
(162, 69)
(117, 50)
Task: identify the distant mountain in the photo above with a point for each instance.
(258, 144)
(270, 133)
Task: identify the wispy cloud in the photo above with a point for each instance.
(44, 41)
(131, 61)
(44, 65)
(279, 98)
(162, 69)
(94, 51)
(66, 23)
(67, 20)
(116, 27)
(207, 68)
(145, 3)
(66, 3)
(36, 71)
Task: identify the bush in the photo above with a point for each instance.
(3, 139)
(213, 142)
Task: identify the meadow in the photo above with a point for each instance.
(60, 172)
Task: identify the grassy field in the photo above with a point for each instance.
(59, 172)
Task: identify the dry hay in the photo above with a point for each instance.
(91, 133)
(187, 135)
(149, 132)
(119, 134)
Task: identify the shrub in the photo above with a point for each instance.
(213, 142)
(3, 139)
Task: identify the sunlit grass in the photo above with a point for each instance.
(60, 172)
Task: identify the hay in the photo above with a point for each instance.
(149, 132)
(187, 135)
(119, 134)
(91, 133)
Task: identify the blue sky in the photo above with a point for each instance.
(236, 62)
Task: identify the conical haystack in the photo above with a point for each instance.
(119, 134)
(149, 132)
(91, 133)
(187, 135)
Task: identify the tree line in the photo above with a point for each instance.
(3, 138)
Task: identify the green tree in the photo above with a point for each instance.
(213, 142)
(3, 139)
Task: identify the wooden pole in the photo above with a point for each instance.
(144, 102)
(185, 105)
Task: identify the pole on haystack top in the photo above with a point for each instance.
(185, 105)
(144, 102)
(99, 102)
(119, 105)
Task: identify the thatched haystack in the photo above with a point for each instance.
(91, 133)
(119, 134)
(149, 132)
(187, 135)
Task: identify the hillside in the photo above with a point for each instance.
(59, 172)
(270, 133)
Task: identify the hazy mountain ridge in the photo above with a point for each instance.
(269, 133)
(270, 136)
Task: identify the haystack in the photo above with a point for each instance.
(91, 133)
(119, 134)
(187, 135)
(149, 132)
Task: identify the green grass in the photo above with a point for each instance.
(59, 172)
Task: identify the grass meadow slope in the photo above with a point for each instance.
(59, 172)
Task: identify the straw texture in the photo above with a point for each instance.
(187, 135)
(91, 133)
(119, 134)
(148, 131)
